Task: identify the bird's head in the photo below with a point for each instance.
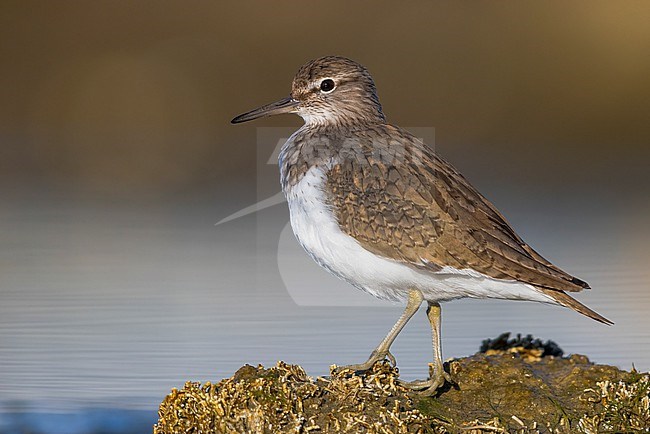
(328, 91)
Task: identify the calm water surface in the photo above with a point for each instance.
(111, 306)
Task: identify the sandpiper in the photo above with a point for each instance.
(375, 206)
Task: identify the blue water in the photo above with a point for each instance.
(80, 421)
(104, 307)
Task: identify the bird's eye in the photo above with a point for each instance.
(327, 85)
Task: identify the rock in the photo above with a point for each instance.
(502, 390)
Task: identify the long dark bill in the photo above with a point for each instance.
(286, 105)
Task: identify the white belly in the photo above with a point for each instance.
(315, 226)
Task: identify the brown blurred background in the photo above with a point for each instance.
(117, 157)
(133, 99)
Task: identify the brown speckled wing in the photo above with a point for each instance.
(402, 202)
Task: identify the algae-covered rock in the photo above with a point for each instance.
(510, 389)
(283, 399)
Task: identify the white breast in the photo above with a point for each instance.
(314, 225)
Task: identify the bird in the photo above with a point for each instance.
(375, 206)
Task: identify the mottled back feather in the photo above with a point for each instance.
(401, 201)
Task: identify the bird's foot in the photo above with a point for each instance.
(375, 356)
(437, 378)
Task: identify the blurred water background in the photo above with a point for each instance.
(117, 160)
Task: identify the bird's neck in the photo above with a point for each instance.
(346, 121)
(324, 145)
(312, 145)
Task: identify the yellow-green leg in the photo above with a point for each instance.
(437, 374)
(415, 299)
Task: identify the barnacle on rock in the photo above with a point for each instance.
(624, 406)
(284, 399)
(498, 393)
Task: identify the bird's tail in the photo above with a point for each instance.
(567, 301)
